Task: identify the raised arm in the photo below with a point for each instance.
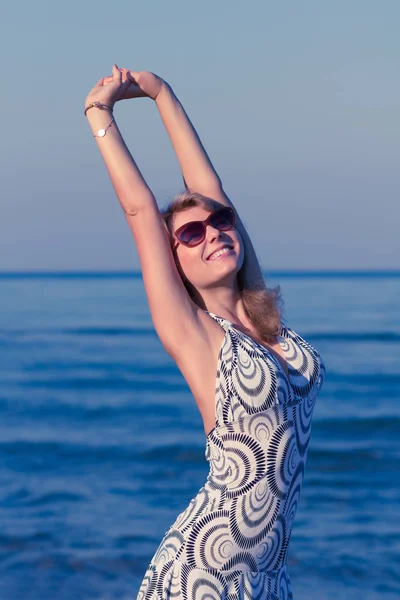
(197, 170)
(174, 314)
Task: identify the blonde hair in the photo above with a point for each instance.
(262, 305)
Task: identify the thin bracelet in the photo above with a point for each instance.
(97, 105)
(102, 132)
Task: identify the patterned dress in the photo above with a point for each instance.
(231, 542)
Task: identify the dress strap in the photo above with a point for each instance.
(225, 323)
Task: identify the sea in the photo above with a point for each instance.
(102, 444)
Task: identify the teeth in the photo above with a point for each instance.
(220, 252)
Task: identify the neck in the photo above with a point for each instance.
(225, 302)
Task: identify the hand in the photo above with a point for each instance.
(143, 84)
(108, 90)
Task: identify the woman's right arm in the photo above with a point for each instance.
(174, 314)
(198, 172)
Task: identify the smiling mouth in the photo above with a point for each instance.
(220, 253)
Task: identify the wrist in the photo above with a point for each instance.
(165, 91)
(99, 120)
(95, 105)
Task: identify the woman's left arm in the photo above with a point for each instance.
(197, 170)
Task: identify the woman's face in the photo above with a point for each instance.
(200, 264)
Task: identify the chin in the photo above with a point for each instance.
(230, 271)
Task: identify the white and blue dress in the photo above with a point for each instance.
(231, 542)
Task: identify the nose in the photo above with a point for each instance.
(213, 233)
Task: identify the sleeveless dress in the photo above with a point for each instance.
(231, 542)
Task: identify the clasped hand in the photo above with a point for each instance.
(124, 84)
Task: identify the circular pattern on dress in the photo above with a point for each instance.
(199, 584)
(253, 585)
(283, 585)
(195, 507)
(270, 547)
(171, 543)
(262, 425)
(251, 376)
(251, 516)
(304, 413)
(245, 462)
(164, 580)
(210, 544)
(282, 459)
(149, 583)
(293, 495)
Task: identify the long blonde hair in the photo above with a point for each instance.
(262, 305)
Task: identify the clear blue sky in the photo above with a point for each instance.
(297, 104)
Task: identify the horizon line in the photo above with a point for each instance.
(135, 274)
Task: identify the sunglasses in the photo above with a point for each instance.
(193, 233)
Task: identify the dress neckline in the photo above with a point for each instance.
(264, 348)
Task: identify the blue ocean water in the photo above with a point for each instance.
(102, 444)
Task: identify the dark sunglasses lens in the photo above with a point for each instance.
(223, 219)
(192, 234)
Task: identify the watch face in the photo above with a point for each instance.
(101, 132)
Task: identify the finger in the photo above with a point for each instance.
(117, 75)
(100, 82)
(124, 74)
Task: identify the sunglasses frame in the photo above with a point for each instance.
(204, 223)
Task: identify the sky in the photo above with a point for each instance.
(297, 104)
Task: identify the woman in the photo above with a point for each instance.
(255, 381)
